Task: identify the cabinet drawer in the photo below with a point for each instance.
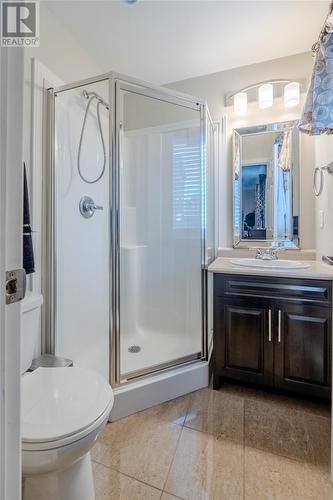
(289, 289)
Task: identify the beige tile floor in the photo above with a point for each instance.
(236, 443)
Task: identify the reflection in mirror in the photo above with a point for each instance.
(266, 185)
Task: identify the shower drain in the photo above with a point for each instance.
(134, 348)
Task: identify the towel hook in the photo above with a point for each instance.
(319, 171)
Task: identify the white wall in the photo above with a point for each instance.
(60, 51)
(257, 148)
(214, 87)
(65, 61)
(61, 54)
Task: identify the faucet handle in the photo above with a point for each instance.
(269, 253)
(276, 250)
(260, 251)
(273, 252)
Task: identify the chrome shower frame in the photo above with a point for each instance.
(87, 95)
(117, 83)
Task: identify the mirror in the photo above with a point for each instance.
(266, 185)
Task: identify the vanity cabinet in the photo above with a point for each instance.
(241, 345)
(302, 352)
(274, 332)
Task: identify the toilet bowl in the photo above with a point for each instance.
(63, 411)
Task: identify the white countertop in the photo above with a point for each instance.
(316, 270)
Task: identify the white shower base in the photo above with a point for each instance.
(138, 395)
(156, 348)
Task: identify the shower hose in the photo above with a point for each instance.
(81, 138)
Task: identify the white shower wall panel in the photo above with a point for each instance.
(82, 249)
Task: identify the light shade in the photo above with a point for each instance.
(291, 94)
(240, 103)
(265, 96)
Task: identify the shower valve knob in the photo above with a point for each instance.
(97, 207)
(87, 207)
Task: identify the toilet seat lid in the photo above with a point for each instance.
(59, 402)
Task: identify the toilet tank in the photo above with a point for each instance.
(30, 327)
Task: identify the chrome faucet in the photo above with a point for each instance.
(268, 253)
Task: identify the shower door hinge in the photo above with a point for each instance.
(15, 285)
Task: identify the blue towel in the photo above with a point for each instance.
(28, 251)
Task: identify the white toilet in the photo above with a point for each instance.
(63, 412)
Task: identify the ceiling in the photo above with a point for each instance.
(163, 41)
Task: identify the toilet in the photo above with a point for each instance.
(63, 411)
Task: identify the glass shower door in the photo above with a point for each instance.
(161, 205)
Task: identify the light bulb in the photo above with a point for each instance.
(240, 103)
(291, 94)
(265, 96)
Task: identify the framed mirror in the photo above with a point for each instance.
(266, 185)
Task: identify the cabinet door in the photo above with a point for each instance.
(302, 349)
(243, 341)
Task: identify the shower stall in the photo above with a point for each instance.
(129, 233)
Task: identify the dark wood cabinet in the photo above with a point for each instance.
(244, 325)
(274, 332)
(302, 350)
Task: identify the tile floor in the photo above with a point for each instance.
(232, 444)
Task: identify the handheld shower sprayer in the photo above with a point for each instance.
(91, 96)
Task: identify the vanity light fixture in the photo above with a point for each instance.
(291, 94)
(265, 96)
(264, 92)
(240, 103)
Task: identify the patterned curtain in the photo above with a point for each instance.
(317, 115)
(285, 160)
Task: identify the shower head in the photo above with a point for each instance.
(93, 95)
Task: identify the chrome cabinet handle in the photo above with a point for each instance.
(269, 325)
(279, 325)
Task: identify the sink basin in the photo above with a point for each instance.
(271, 264)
